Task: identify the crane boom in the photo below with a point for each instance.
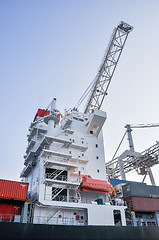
(142, 125)
(107, 68)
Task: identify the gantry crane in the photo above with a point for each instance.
(131, 160)
(98, 88)
(129, 130)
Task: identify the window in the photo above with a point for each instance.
(98, 170)
(61, 197)
(151, 224)
(69, 152)
(51, 173)
(129, 216)
(117, 218)
(96, 145)
(80, 119)
(97, 157)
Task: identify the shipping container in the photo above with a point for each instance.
(13, 190)
(140, 190)
(139, 204)
(8, 210)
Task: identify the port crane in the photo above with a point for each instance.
(132, 160)
(129, 128)
(98, 89)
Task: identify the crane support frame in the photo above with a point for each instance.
(141, 162)
(107, 68)
(148, 125)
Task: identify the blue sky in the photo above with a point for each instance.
(54, 49)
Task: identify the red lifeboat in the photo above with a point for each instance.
(94, 185)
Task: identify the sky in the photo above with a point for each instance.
(54, 48)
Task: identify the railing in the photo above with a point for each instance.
(9, 217)
(74, 199)
(62, 198)
(59, 221)
(53, 176)
(57, 159)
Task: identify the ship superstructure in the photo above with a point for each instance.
(64, 161)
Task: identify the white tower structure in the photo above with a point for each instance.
(64, 161)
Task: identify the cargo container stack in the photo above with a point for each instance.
(143, 202)
(12, 198)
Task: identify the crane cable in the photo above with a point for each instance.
(119, 145)
(85, 94)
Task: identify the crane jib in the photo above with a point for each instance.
(107, 68)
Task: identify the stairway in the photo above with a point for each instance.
(56, 192)
(52, 214)
(55, 174)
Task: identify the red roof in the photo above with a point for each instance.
(13, 190)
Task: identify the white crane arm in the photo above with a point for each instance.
(107, 68)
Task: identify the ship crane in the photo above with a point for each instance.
(132, 160)
(97, 90)
(99, 87)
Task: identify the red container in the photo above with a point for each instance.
(13, 190)
(143, 204)
(9, 210)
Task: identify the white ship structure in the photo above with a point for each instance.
(64, 160)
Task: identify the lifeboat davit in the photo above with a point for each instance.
(94, 185)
